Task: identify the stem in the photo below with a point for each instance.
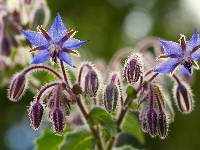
(41, 67)
(63, 71)
(93, 130)
(43, 89)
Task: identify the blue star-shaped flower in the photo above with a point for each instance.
(183, 55)
(56, 43)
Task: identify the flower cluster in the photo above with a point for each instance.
(154, 106)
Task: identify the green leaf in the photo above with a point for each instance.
(48, 141)
(99, 116)
(131, 92)
(131, 125)
(79, 139)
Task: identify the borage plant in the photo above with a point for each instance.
(108, 111)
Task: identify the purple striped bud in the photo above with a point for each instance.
(183, 97)
(89, 80)
(111, 97)
(143, 118)
(35, 113)
(152, 120)
(58, 120)
(163, 124)
(17, 87)
(132, 71)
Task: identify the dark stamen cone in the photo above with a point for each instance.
(183, 97)
(58, 120)
(35, 114)
(132, 69)
(17, 87)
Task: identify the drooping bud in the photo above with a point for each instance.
(58, 120)
(111, 94)
(35, 113)
(132, 71)
(143, 119)
(152, 121)
(17, 87)
(163, 123)
(89, 80)
(183, 97)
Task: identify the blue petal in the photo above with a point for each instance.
(196, 55)
(35, 38)
(184, 71)
(73, 43)
(57, 30)
(41, 56)
(171, 48)
(193, 42)
(64, 56)
(167, 66)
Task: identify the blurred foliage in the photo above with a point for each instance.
(102, 21)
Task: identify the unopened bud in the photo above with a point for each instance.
(111, 97)
(58, 120)
(17, 87)
(132, 71)
(35, 114)
(152, 121)
(162, 125)
(90, 80)
(183, 97)
(5, 45)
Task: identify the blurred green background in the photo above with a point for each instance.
(111, 25)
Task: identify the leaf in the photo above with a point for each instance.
(128, 139)
(78, 139)
(131, 125)
(99, 116)
(48, 141)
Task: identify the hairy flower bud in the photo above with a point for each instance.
(152, 121)
(132, 71)
(17, 87)
(35, 114)
(183, 97)
(111, 97)
(162, 125)
(58, 120)
(89, 80)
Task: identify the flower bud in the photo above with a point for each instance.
(162, 125)
(58, 120)
(17, 87)
(183, 97)
(143, 118)
(132, 71)
(35, 114)
(6, 45)
(90, 80)
(152, 121)
(111, 97)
